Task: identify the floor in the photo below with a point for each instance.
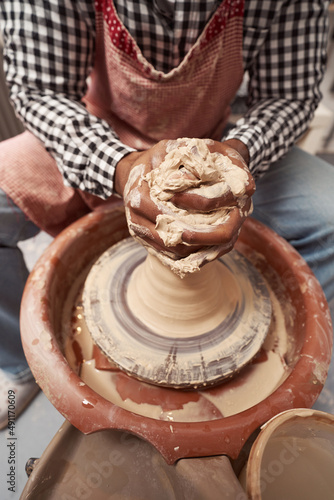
(39, 423)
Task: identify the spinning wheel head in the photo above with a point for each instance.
(195, 334)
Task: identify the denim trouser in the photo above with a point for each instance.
(295, 198)
(14, 227)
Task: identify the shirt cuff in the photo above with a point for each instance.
(98, 175)
(254, 139)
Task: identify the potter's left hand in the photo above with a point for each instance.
(224, 235)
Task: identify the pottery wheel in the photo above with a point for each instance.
(194, 358)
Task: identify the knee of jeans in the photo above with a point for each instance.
(14, 224)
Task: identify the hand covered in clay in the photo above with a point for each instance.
(234, 192)
(141, 210)
(186, 197)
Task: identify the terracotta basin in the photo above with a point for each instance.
(77, 247)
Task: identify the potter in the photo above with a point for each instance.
(118, 102)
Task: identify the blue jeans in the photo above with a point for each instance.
(14, 227)
(295, 198)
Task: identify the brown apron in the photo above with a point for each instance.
(141, 104)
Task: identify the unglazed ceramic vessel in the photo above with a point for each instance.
(75, 250)
(293, 457)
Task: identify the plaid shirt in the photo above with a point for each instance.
(49, 52)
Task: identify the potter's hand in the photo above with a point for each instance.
(141, 211)
(183, 196)
(224, 234)
(238, 154)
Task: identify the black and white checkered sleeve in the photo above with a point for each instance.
(285, 54)
(48, 54)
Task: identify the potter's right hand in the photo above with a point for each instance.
(141, 211)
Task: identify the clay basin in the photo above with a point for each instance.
(73, 252)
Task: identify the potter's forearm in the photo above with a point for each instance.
(240, 147)
(285, 70)
(271, 129)
(123, 170)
